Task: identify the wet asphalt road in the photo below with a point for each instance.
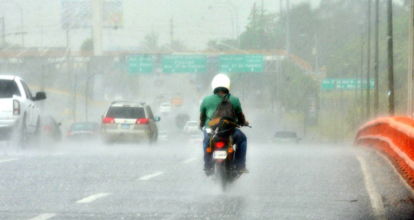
(165, 181)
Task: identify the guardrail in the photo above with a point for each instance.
(393, 136)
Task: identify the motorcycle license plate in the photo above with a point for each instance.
(219, 154)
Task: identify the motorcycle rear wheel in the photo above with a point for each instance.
(221, 176)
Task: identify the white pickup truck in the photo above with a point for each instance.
(19, 115)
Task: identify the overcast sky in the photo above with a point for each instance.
(195, 21)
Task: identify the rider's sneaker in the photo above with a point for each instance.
(243, 170)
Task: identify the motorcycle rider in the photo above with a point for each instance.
(221, 87)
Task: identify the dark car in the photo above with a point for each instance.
(181, 120)
(286, 137)
(49, 128)
(83, 131)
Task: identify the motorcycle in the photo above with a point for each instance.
(223, 155)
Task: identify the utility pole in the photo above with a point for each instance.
(88, 72)
(335, 113)
(362, 77)
(287, 29)
(342, 107)
(41, 37)
(262, 7)
(42, 104)
(43, 79)
(254, 14)
(74, 98)
(153, 40)
(390, 60)
(3, 29)
(356, 99)
(172, 34)
(97, 27)
(320, 111)
(411, 63)
(279, 71)
(315, 53)
(67, 39)
(369, 59)
(257, 45)
(376, 89)
(281, 7)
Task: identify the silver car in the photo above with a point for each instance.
(129, 121)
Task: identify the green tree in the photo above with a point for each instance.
(87, 45)
(262, 32)
(295, 88)
(150, 43)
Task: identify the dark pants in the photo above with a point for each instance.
(239, 138)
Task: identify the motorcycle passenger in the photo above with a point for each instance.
(221, 87)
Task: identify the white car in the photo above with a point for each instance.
(165, 108)
(191, 127)
(19, 115)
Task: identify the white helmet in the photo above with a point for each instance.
(221, 80)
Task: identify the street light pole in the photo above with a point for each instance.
(97, 26)
(362, 77)
(356, 99)
(287, 29)
(237, 23)
(316, 54)
(3, 29)
(262, 7)
(281, 8)
(411, 63)
(86, 94)
(342, 107)
(74, 98)
(390, 60)
(376, 93)
(369, 60)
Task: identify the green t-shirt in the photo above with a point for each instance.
(210, 103)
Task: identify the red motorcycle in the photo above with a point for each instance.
(224, 153)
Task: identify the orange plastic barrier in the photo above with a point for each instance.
(394, 136)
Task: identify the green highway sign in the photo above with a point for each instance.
(241, 63)
(184, 63)
(347, 84)
(141, 64)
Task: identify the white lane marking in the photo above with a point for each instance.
(43, 216)
(189, 160)
(376, 200)
(7, 160)
(148, 177)
(92, 198)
